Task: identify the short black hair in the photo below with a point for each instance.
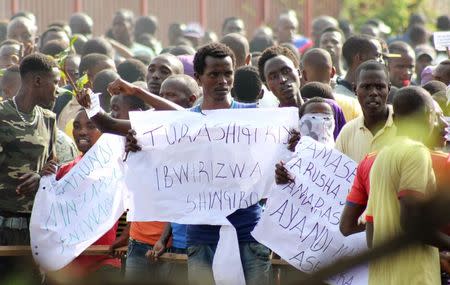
(216, 50)
(98, 45)
(36, 62)
(247, 84)
(132, 70)
(188, 84)
(50, 29)
(54, 47)
(260, 43)
(145, 25)
(127, 14)
(238, 44)
(134, 103)
(435, 86)
(182, 50)
(9, 42)
(89, 61)
(411, 100)
(317, 89)
(26, 14)
(100, 84)
(313, 100)
(371, 65)
(443, 23)
(229, 19)
(334, 30)
(400, 47)
(359, 44)
(272, 52)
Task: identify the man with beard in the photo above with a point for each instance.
(27, 141)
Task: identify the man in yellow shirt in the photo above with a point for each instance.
(375, 127)
(401, 173)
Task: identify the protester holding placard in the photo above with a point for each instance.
(86, 135)
(214, 69)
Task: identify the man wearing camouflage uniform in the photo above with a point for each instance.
(27, 140)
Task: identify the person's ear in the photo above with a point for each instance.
(15, 59)
(192, 99)
(197, 78)
(248, 59)
(304, 75)
(37, 80)
(333, 72)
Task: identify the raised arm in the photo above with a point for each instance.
(122, 87)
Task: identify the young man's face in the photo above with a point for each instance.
(121, 29)
(172, 91)
(159, 69)
(372, 90)
(422, 62)
(217, 78)
(375, 53)
(46, 88)
(282, 78)
(119, 108)
(332, 42)
(84, 132)
(102, 65)
(22, 31)
(287, 29)
(401, 70)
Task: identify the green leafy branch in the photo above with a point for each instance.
(61, 60)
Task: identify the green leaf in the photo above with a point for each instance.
(82, 81)
(73, 40)
(2, 71)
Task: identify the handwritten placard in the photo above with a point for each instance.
(441, 40)
(301, 219)
(72, 213)
(204, 166)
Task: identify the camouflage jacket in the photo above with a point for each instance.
(23, 148)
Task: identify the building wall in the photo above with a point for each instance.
(254, 12)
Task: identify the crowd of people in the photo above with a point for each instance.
(379, 98)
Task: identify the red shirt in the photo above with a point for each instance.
(359, 194)
(361, 185)
(85, 264)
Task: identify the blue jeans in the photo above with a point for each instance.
(140, 268)
(255, 259)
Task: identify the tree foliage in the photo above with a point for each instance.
(395, 13)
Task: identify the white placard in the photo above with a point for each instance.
(301, 220)
(71, 214)
(441, 40)
(203, 167)
(198, 168)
